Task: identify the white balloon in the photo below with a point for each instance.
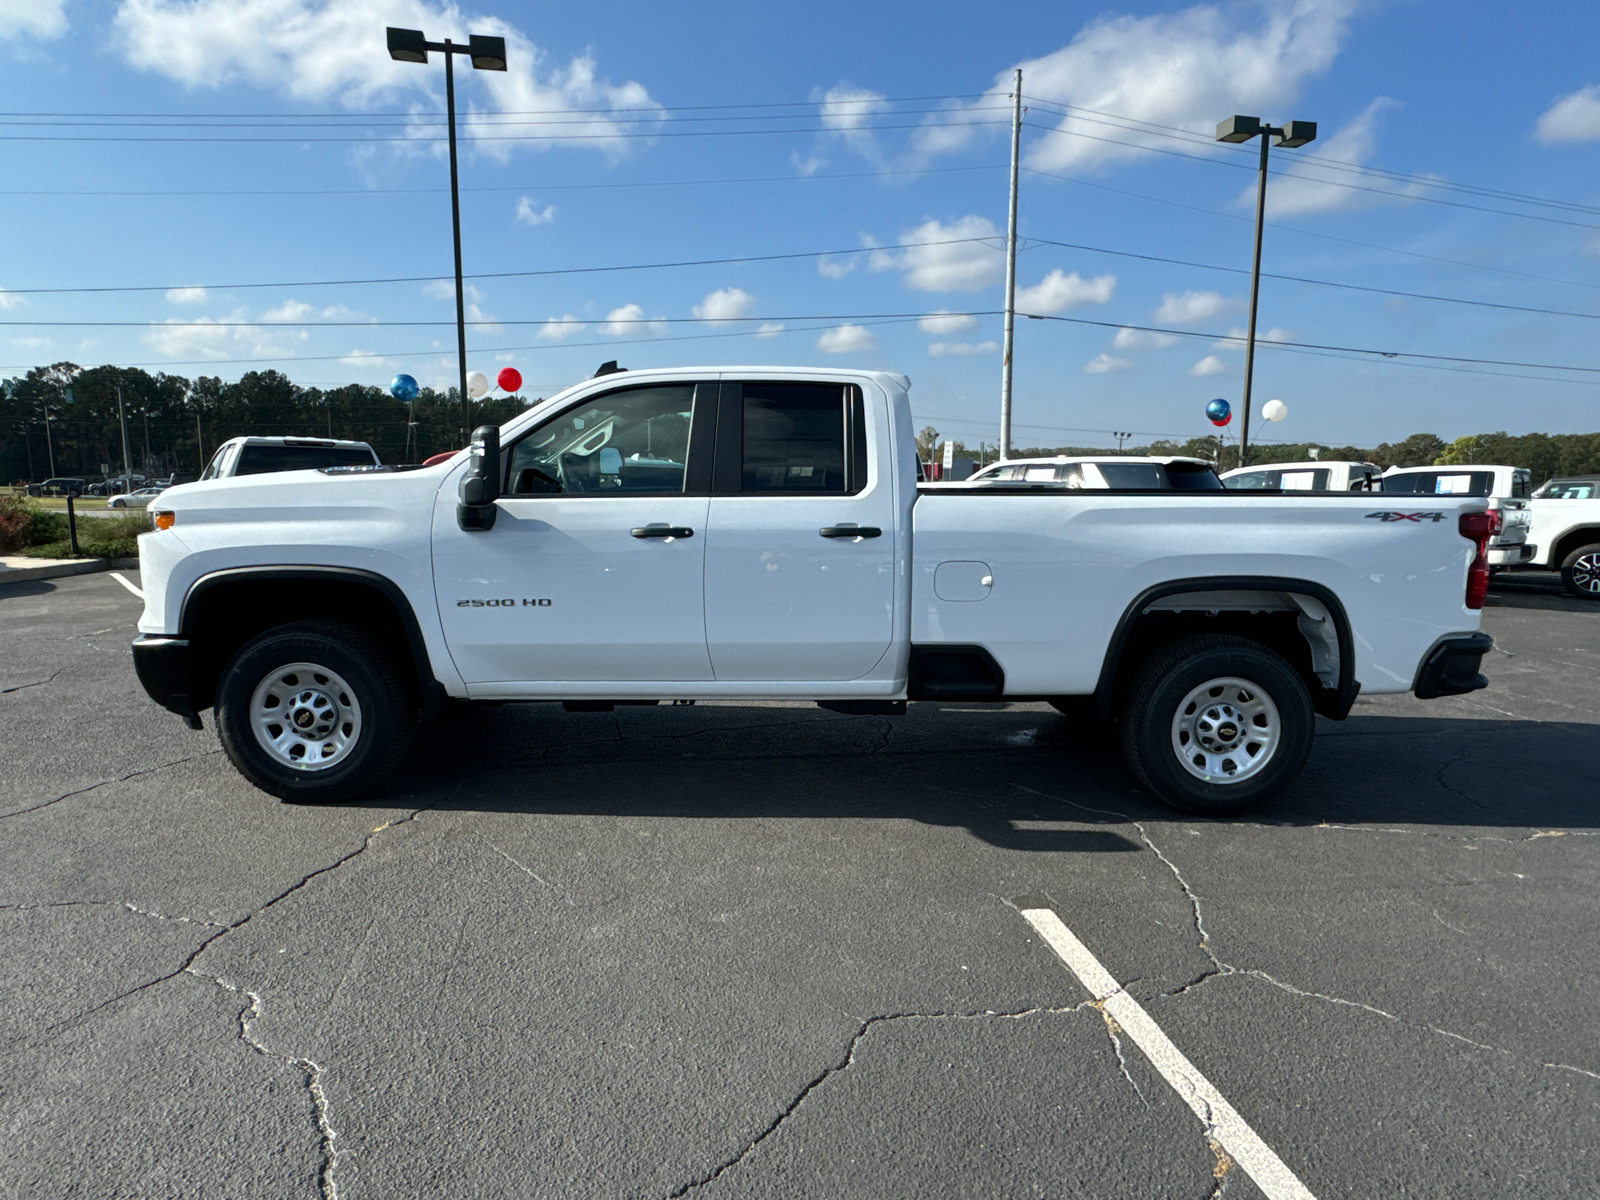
(478, 384)
(1274, 410)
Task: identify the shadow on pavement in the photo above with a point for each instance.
(26, 587)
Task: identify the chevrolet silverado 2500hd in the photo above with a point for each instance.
(746, 533)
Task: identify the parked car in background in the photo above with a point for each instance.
(1506, 488)
(138, 499)
(1566, 531)
(266, 455)
(1314, 476)
(59, 486)
(1113, 473)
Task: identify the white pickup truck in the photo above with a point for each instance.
(758, 533)
(1505, 488)
(1566, 529)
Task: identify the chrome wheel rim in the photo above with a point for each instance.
(1586, 573)
(1226, 730)
(305, 717)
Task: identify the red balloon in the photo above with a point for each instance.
(1224, 421)
(509, 379)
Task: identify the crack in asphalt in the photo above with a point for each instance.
(848, 1061)
(319, 1101)
(106, 782)
(116, 904)
(36, 683)
(1225, 969)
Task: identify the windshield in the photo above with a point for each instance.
(1574, 489)
(1441, 483)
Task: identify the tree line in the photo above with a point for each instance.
(175, 424)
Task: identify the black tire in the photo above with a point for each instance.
(1151, 733)
(1580, 572)
(369, 745)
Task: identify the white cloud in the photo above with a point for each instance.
(809, 165)
(961, 349)
(1305, 187)
(367, 360)
(1209, 365)
(204, 338)
(1141, 339)
(1104, 364)
(334, 50)
(1574, 117)
(558, 329)
(529, 214)
(338, 312)
(289, 310)
(770, 329)
(11, 300)
(1056, 292)
(943, 322)
(961, 264)
(1187, 69)
(1188, 308)
(725, 304)
(42, 19)
(836, 268)
(630, 320)
(1237, 336)
(445, 289)
(847, 339)
(847, 113)
(30, 343)
(185, 295)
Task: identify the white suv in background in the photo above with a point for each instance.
(1314, 476)
(1506, 488)
(1566, 526)
(264, 455)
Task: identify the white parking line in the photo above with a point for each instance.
(117, 575)
(1227, 1127)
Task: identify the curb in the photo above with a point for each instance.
(60, 568)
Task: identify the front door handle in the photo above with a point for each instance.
(659, 530)
(850, 531)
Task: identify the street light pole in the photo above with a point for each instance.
(1242, 129)
(1011, 275)
(487, 54)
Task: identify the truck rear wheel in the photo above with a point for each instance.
(1216, 725)
(1580, 572)
(313, 711)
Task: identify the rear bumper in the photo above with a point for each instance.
(1451, 667)
(1511, 556)
(162, 664)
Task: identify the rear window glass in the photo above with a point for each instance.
(1300, 479)
(1441, 483)
(263, 460)
(793, 438)
(1131, 477)
(1192, 477)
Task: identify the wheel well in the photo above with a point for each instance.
(1308, 630)
(1570, 541)
(221, 615)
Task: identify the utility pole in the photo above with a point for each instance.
(49, 443)
(199, 444)
(145, 413)
(1011, 275)
(122, 416)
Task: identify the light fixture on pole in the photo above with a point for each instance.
(1290, 136)
(487, 54)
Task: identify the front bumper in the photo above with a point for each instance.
(1451, 667)
(162, 664)
(1511, 556)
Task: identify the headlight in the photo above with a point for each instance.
(163, 520)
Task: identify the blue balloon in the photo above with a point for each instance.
(1218, 412)
(403, 388)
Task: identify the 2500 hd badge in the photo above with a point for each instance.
(527, 602)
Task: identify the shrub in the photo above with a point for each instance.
(98, 537)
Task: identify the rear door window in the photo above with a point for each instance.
(1441, 483)
(262, 460)
(794, 438)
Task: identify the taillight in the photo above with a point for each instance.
(1478, 528)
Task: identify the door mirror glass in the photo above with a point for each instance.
(610, 467)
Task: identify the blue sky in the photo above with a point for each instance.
(869, 129)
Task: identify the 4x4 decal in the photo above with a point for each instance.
(1435, 517)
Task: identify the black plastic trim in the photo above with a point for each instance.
(1334, 703)
(431, 688)
(954, 672)
(1450, 668)
(162, 665)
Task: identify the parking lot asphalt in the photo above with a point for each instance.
(772, 951)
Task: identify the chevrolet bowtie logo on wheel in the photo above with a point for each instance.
(1435, 517)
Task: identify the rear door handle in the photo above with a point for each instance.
(850, 531)
(658, 530)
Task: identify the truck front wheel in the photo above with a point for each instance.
(313, 711)
(1580, 572)
(1216, 725)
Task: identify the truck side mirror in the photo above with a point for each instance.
(480, 486)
